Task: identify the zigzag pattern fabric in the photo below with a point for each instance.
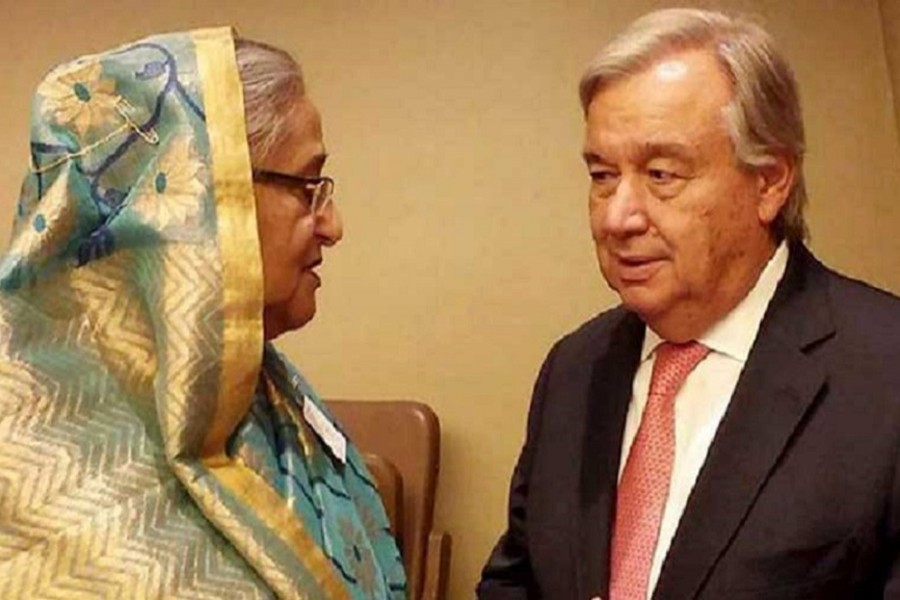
(133, 396)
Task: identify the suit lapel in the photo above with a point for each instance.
(778, 386)
(607, 405)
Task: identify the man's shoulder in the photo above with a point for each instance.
(858, 305)
(850, 292)
(595, 333)
(860, 313)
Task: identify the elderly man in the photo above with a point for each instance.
(733, 429)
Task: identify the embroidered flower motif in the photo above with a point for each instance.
(359, 557)
(377, 530)
(373, 526)
(47, 226)
(79, 95)
(171, 193)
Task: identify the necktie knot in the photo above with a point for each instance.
(673, 364)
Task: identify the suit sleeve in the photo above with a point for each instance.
(892, 583)
(508, 574)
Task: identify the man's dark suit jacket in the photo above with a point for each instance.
(799, 496)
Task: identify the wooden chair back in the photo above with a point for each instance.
(401, 443)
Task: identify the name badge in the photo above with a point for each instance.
(325, 429)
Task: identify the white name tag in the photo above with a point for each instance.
(325, 429)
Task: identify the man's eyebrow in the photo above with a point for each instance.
(591, 157)
(667, 150)
(648, 151)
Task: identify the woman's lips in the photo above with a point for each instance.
(315, 276)
(311, 267)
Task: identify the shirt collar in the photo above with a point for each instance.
(734, 334)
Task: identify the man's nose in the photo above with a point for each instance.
(330, 226)
(626, 210)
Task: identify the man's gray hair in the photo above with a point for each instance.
(272, 82)
(764, 118)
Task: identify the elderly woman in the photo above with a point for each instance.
(152, 443)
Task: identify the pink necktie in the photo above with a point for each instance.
(644, 487)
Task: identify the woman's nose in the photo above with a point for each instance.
(329, 225)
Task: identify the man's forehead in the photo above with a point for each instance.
(679, 89)
(670, 69)
(677, 71)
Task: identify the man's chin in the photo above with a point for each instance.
(638, 299)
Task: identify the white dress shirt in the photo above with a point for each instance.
(703, 398)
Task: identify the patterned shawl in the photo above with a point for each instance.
(151, 445)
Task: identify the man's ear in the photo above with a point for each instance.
(774, 184)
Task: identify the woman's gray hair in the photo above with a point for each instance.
(764, 118)
(272, 83)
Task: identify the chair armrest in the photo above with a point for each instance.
(437, 566)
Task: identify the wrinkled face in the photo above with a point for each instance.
(291, 237)
(681, 230)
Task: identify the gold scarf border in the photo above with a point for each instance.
(243, 339)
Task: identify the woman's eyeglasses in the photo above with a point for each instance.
(316, 193)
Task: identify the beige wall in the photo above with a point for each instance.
(455, 134)
(890, 20)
